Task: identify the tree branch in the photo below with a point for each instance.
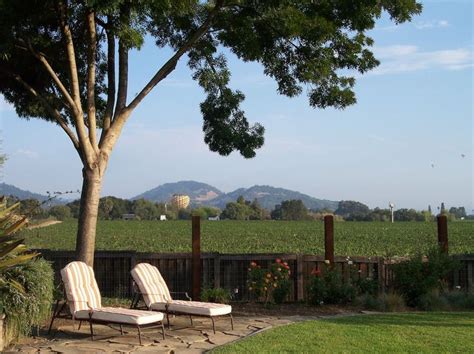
(91, 65)
(123, 77)
(42, 58)
(170, 65)
(109, 110)
(86, 146)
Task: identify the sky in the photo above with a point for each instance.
(402, 142)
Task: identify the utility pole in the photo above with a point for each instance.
(391, 206)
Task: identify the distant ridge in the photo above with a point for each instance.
(205, 194)
(10, 190)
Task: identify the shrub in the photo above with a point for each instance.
(272, 284)
(416, 277)
(29, 306)
(390, 302)
(218, 295)
(329, 287)
(459, 300)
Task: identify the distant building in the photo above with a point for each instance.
(129, 217)
(180, 201)
(162, 217)
(214, 218)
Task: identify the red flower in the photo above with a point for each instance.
(278, 260)
(253, 264)
(315, 272)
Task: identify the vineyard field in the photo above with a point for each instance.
(306, 237)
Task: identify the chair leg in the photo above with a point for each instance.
(191, 319)
(213, 325)
(90, 326)
(80, 324)
(55, 313)
(168, 319)
(92, 330)
(121, 330)
(139, 335)
(163, 330)
(231, 321)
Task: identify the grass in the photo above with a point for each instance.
(351, 238)
(407, 332)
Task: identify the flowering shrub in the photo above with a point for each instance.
(272, 284)
(327, 285)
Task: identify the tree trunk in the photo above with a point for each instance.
(89, 209)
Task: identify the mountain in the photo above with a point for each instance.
(10, 190)
(269, 196)
(199, 193)
(205, 194)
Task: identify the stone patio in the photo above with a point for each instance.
(181, 338)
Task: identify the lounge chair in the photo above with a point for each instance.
(150, 286)
(83, 296)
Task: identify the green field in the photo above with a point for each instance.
(351, 238)
(388, 333)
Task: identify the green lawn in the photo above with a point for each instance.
(388, 333)
(351, 238)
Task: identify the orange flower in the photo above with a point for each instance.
(274, 285)
(269, 275)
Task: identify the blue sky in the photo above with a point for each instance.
(402, 141)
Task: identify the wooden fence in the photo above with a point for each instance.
(229, 271)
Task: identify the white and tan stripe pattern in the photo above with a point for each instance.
(151, 284)
(121, 315)
(81, 287)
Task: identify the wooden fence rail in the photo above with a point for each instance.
(229, 271)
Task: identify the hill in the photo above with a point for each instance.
(205, 194)
(200, 193)
(10, 190)
(269, 196)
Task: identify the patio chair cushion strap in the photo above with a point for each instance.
(121, 315)
(193, 308)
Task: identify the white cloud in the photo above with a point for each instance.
(406, 58)
(431, 24)
(30, 154)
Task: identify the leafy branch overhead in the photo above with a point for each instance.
(58, 59)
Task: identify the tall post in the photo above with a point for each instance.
(329, 239)
(196, 257)
(443, 233)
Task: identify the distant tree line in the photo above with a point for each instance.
(112, 208)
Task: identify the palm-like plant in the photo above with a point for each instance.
(12, 250)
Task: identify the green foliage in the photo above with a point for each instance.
(60, 212)
(244, 210)
(306, 237)
(352, 211)
(388, 302)
(218, 295)
(290, 210)
(417, 277)
(269, 284)
(31, 306)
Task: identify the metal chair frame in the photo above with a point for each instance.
(138, 295)
(58, 312)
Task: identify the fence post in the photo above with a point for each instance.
(443, 233)
(329, 239)
(217, 270)
(299, 278)
(196, 256)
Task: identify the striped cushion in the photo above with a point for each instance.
(121, 315)
(81, 288)
(194, 308)
(151, 284)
